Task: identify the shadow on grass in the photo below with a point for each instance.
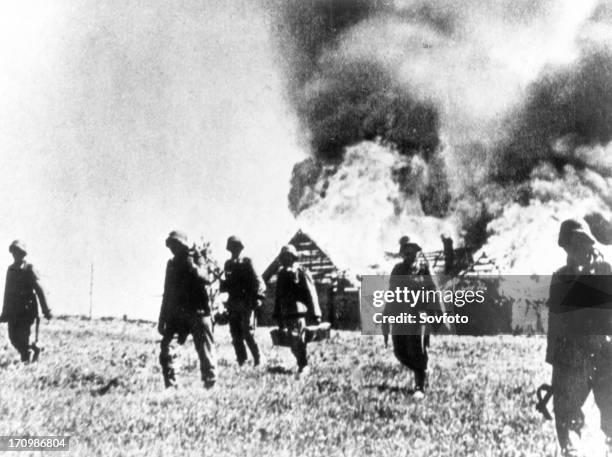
(384, 387)
(7, 363)
(279, 369)
(106, 388)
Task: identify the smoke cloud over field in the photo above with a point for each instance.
(502, 102)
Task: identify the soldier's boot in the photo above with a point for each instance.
(24, 354)
(260, 360)
(302, 372)
(240, 350)
(569, 451)
(569, 446)
(34, 353)
(169, 379)
(420, 380)
(165, 360)
(254, 348)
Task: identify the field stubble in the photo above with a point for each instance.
(99, 381)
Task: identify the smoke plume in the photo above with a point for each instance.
(341, 99)
(567, 110)
(503, 102)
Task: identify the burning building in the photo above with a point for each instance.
(488, 121)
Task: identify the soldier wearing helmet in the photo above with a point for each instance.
(245, 290)
(579, 335)
(296, 301)
(186, 310)
(22, 294)
(410, 341)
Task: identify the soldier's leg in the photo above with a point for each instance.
(421, 359)
(602, 391)
(165, 360)
(235, 326)
(411, 351)
(249, 324)
(203, 339)
(400, 348)
(19, 335)
(298, 344)
(571, 387)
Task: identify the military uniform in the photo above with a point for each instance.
(20, 308)
(186, 310)
(579, 339)
(245, 290)
(296, 301)
(580, 346)
(410, 341)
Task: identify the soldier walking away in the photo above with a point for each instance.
(20, 309)
(246, 291)
(410, 341)
(579, 345)
(185, 310)
(296, 301)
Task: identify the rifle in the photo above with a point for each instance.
(34, 346)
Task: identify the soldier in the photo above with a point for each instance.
(246, 291)
(410, 341)
(296, 301)
(579, 336)
(185, 310)
(20, 308)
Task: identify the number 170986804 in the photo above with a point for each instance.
(31, 443)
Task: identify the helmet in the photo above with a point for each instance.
(404, 240)
(289, 249)
(570, 228)
(18, 245)
(233, 241)
(178, 237)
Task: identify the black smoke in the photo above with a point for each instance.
(573, 104)
(340, 100)
(359, 101)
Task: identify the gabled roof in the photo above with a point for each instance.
(313, 257)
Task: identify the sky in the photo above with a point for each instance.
(125, 119)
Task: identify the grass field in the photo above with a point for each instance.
(356, 401)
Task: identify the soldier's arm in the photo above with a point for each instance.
(223, 283)
(164, 306)
(309, 292)
(388, 308)
(40, 293)
(5, 304)
(259, 286)
(394, 280)
(278, 296)
(436, 306)
(384, 327)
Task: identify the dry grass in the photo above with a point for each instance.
(355, 402)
